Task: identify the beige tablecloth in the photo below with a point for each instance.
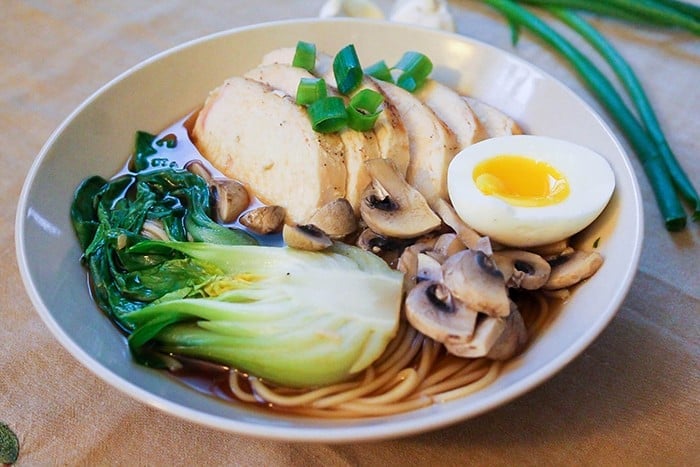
(632, 398)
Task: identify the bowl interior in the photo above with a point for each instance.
(98, 137)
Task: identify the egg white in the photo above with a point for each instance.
(591, 183)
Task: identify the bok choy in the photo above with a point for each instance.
(292, 317)
(203, 290)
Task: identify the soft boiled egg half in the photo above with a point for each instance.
(526, 190)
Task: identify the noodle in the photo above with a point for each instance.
(414, 372)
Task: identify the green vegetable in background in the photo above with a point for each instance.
(643, 132)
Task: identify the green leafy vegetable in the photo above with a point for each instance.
(203, 290)
(293, 317)
(108, 216)
(9, 445)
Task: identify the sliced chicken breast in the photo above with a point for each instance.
(432, 145)
(389, 129)
(359, 146)
(454, 111)
(260, 137)
(495, 122)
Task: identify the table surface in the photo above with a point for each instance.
(633, 397)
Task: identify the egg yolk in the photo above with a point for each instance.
(521, 181)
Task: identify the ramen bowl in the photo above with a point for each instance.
(97, 139)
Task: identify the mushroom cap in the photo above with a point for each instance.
(449, 216)
(391, 207)
(336, 218)
(473, 278)
(522, 269)
(264, 219)
(486, 334)
(432, 310)
(576, 267)
(230, 198)
(513, 338)
(305, 237)
(447, 245)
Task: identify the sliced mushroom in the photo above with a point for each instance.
(230, 197)
(305, 237)
(337, 218)
(522, 269)
(429, 269)
(197, 167)
(391, 207)
(416, 265)
(432, 310)
(551, 250)
(449, 216)
(473, 278)
(446, 245)
(578, 266)
(513, 338)
(488, 330)
(264, 220)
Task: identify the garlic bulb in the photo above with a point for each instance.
(428, 13)
(353, 8)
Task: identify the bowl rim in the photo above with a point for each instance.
(386, 428)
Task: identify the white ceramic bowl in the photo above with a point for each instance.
(97, 139)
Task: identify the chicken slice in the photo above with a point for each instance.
(260, 137)
(359, 146)
(495, 122)
(431, 144)
(392, 138)
(454, 111)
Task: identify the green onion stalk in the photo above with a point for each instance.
(649, 144)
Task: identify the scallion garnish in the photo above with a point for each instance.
(415, 68)
(310, 90)
(364, 109)
(305, 56)
(347, 70)
(380, 70)
(328, 115)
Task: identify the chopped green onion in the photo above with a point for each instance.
(347, 70)
(415, 68)
(328, 115)
(654, 166)
(310, 90)
(305, 56)
(380, 70)
(364, 109)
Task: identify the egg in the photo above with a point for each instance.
(526, 190)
